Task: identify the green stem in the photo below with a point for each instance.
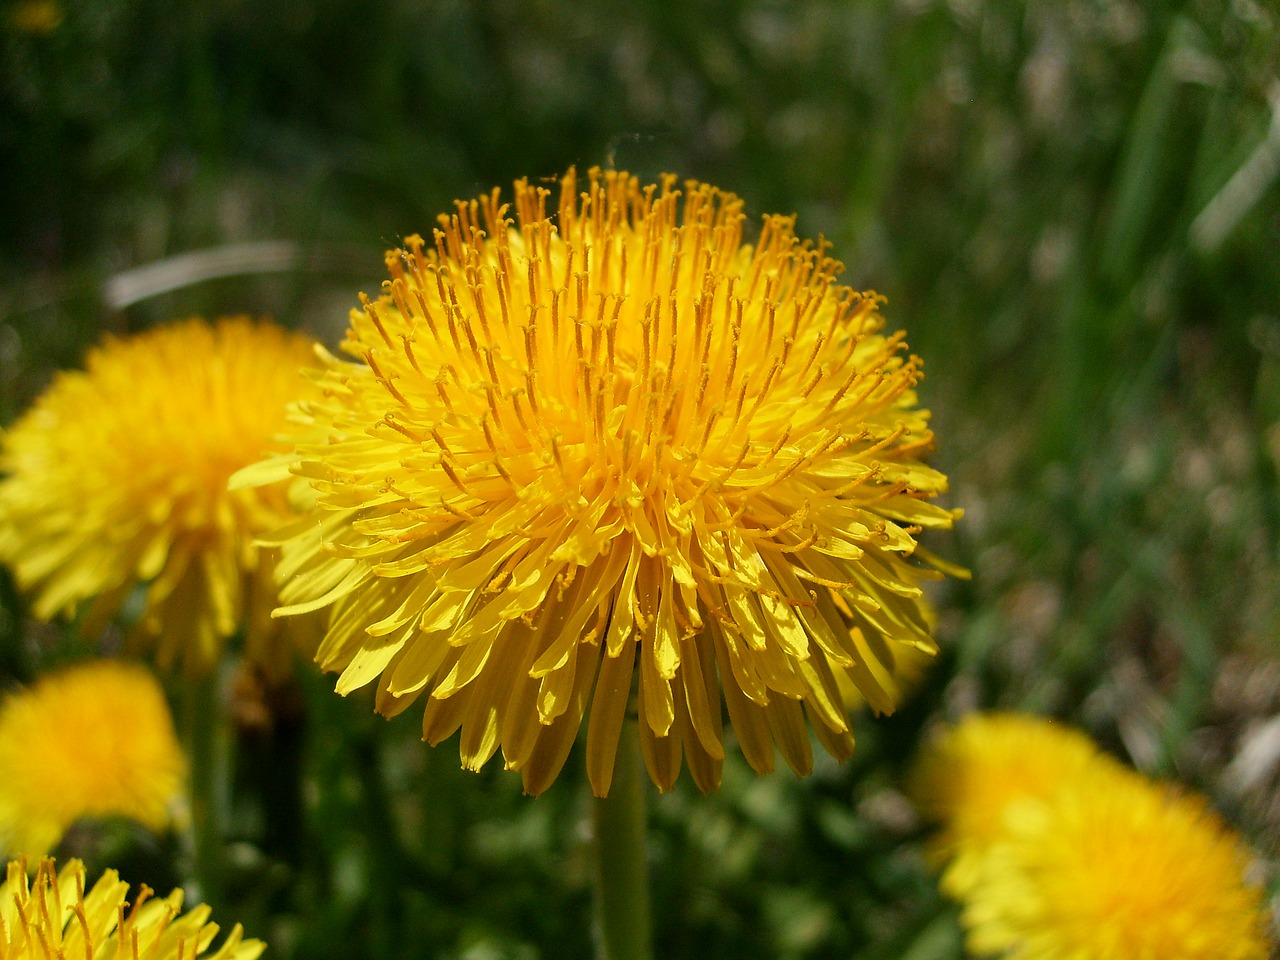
(208, 758)
(622, 875)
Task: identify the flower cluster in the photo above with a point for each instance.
(1058, 852)
(56, 915)
(610, 456)
(92, 740)
(590, 458)
(117, 477)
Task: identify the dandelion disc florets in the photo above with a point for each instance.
(56, 915)
(118, 476)
(608, 447)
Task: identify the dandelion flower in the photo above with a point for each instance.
(910, 664)
(57, 915)
(969, 778)
(36, 17)
(1115, 867)
(118, 476)
(610, 447)
(92, 740)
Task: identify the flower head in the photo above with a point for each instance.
(118, 476)
(609, 447)
(57, 916)
(1114, 867)
(970, 777)
(92, 740)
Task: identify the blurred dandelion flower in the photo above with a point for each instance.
(1114, 867)
(92, 740)
(970, 777)
(38, 17)
(611, 445)
(55, 915)
(118, 476)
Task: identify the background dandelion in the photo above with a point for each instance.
(1056, 850)
(971, 777)
(92, 740)
(1112, 866)
(115, 481)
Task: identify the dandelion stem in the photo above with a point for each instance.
(622, 875)
(206, 740)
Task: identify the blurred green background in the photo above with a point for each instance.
(1073, 208)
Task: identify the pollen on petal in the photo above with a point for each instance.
(57, 913)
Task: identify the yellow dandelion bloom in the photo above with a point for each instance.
(970, 777)
(37, 17)
(606, 447)
(118, 476)
(92, 740)
(899, 681)
(57, 915)
(1113, 867)
(900, 678)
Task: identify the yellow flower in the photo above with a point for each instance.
(1113, 867)
(37, 17)
(118, 476)
(899, 680)
(55, 916)
(901, 677)
(970, 777)
(610, 448)
(95, 739)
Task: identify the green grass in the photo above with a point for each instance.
(1056, 198)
